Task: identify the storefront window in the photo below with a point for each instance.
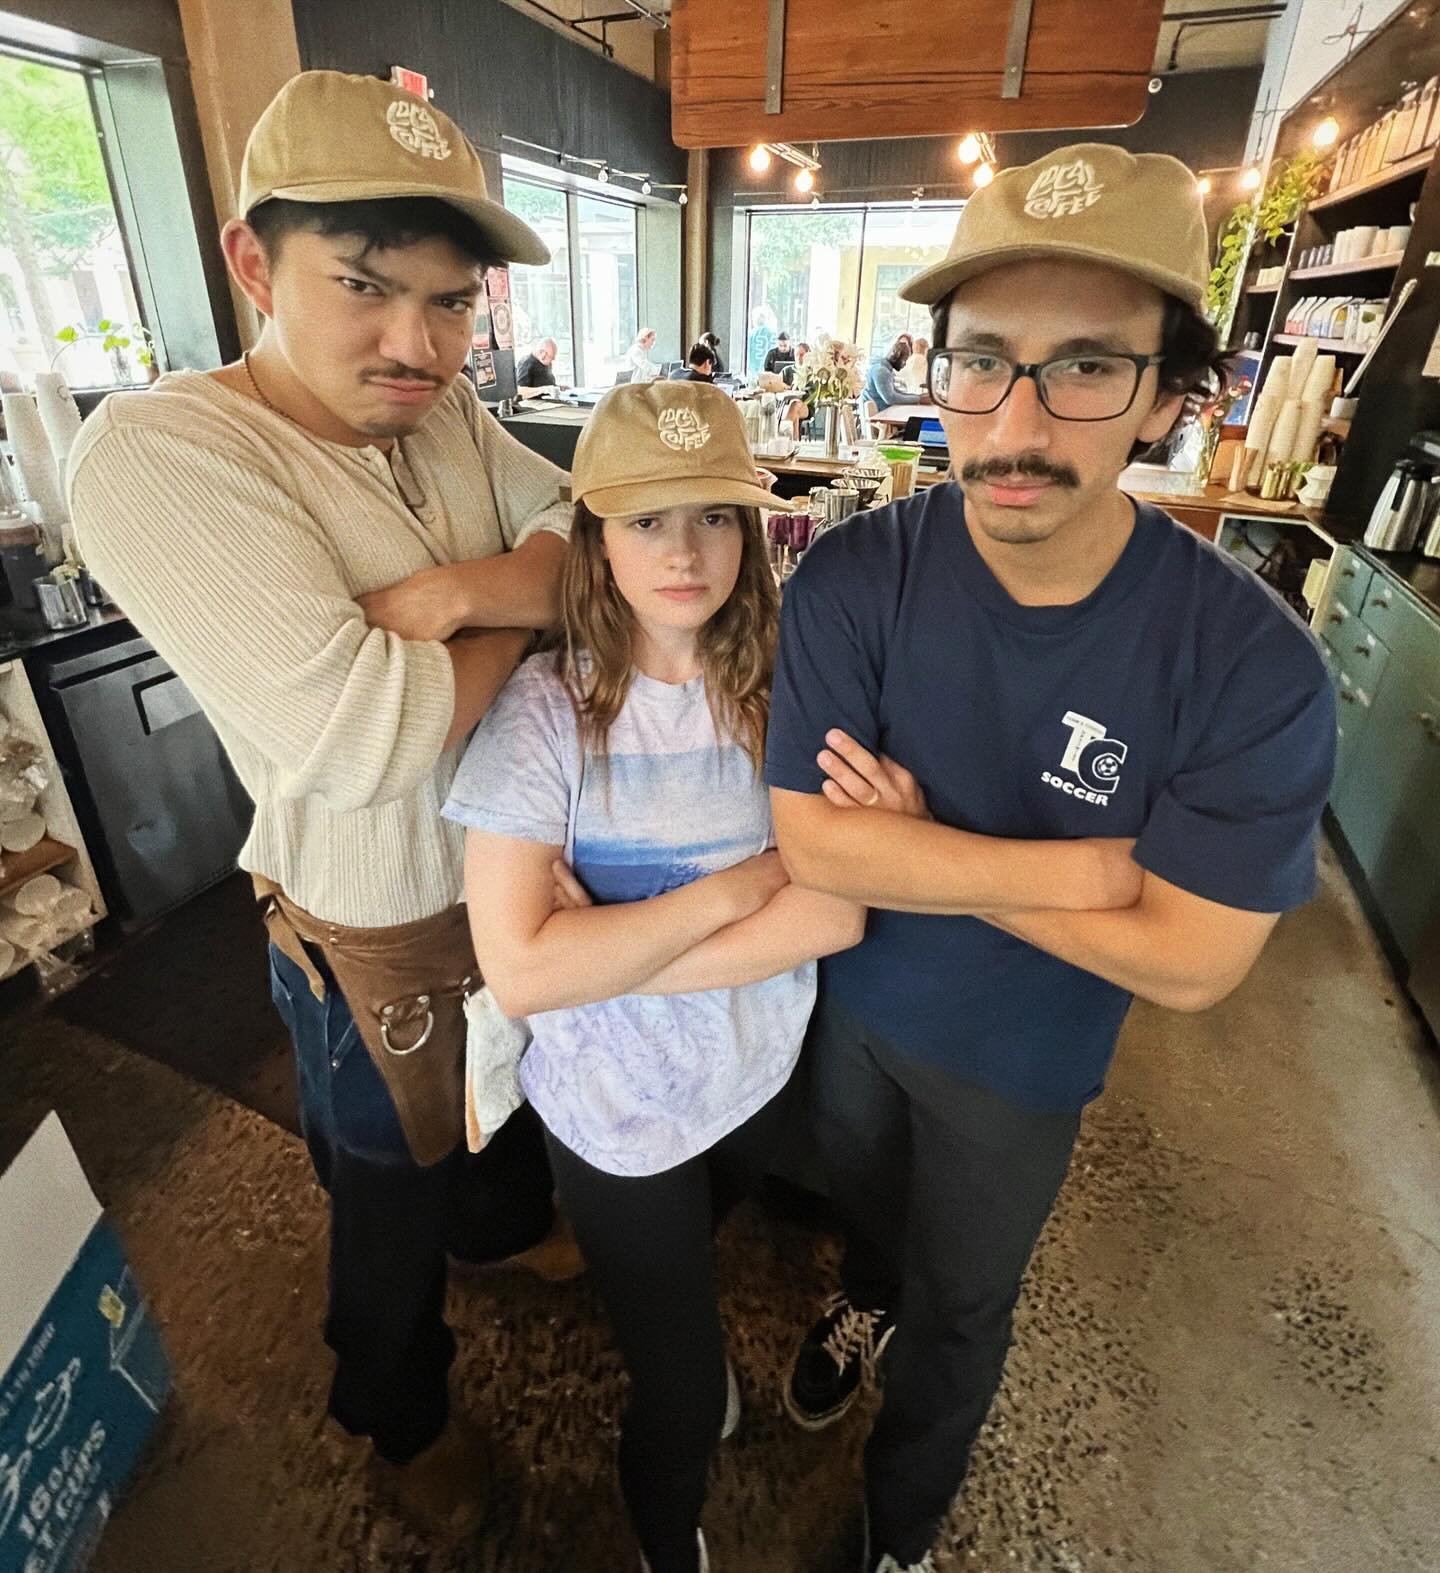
(590, 313)
(608, 300)
(839, 271)
(899, 242)
(804, 271)
(64, 278)
(542, 295)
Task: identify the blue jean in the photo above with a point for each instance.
(393, 1222)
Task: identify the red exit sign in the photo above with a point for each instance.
(411, 81)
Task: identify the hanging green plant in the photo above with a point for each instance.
(1293, 185)
(1232, 247)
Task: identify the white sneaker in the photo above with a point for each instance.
(704, 1555)
(888, 1564)
(732, 1403)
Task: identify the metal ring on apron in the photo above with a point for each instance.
(388, 1012)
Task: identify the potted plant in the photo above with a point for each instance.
(832, 375)
(118, 340)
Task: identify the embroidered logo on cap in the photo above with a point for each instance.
(1063, 190)
(683, 430)
(414, 128)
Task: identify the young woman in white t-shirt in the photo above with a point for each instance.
(667, 971)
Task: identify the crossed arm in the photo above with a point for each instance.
(542, 945)
(482, 611)
(869, 837)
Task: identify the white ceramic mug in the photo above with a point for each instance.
(1315, 488)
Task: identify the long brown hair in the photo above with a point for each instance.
(737, 645)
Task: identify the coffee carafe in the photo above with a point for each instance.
(1399, 509)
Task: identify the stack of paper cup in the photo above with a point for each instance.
(35, 465)
(59, 415)
(1318, 372)
(1264, 417)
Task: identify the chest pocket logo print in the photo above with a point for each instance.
(1091, 757)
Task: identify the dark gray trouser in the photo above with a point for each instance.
(945, 1187)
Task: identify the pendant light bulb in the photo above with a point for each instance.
(984, 174)
(604, 176)
(969, 149)
(684, 196)
(1250, 180)
(1326, 133)
(804, 180)
(759, 159)
(645, 188)
(815, 201)
(1204, 185)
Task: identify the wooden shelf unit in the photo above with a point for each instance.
(18, 867)
(1325, 346)
(1335, 270)
(1414, 165)
(63, 846)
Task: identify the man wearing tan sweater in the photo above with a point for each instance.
(342, 553)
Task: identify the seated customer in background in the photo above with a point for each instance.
(700, 364)
(713, 340)
(881, 385)
(536, 371)
(781, 356)
(637, 357)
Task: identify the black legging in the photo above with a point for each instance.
(648, 1246)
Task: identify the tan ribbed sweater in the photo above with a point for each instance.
(237, 543)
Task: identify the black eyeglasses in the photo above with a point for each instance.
(1071, 387)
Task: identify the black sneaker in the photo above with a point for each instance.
(839, 1352)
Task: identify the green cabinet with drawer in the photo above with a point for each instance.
(1383, 650)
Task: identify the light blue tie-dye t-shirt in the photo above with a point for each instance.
(637, 1084)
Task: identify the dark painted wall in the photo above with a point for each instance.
(1200, 117)
(496, 71)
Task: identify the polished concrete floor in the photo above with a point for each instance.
(1227, 1358)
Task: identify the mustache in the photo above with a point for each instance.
(399, 374)
(1030, 466)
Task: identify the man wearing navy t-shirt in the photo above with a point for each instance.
(1065, 750)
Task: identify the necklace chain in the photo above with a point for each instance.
(399, 474)
(259, 391)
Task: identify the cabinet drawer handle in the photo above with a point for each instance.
(1347, 573)
(1424, 718)
(1362, 649)
(1337, 616)
(1381, 603)
(1348, 695)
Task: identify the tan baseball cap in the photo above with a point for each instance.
(329, 137)
(1140, 213)
(662, 445)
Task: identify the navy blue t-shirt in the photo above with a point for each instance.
(1181, 703)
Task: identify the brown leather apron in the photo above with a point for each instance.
(406, 987)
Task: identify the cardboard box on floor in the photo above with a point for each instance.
(84, 1371)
